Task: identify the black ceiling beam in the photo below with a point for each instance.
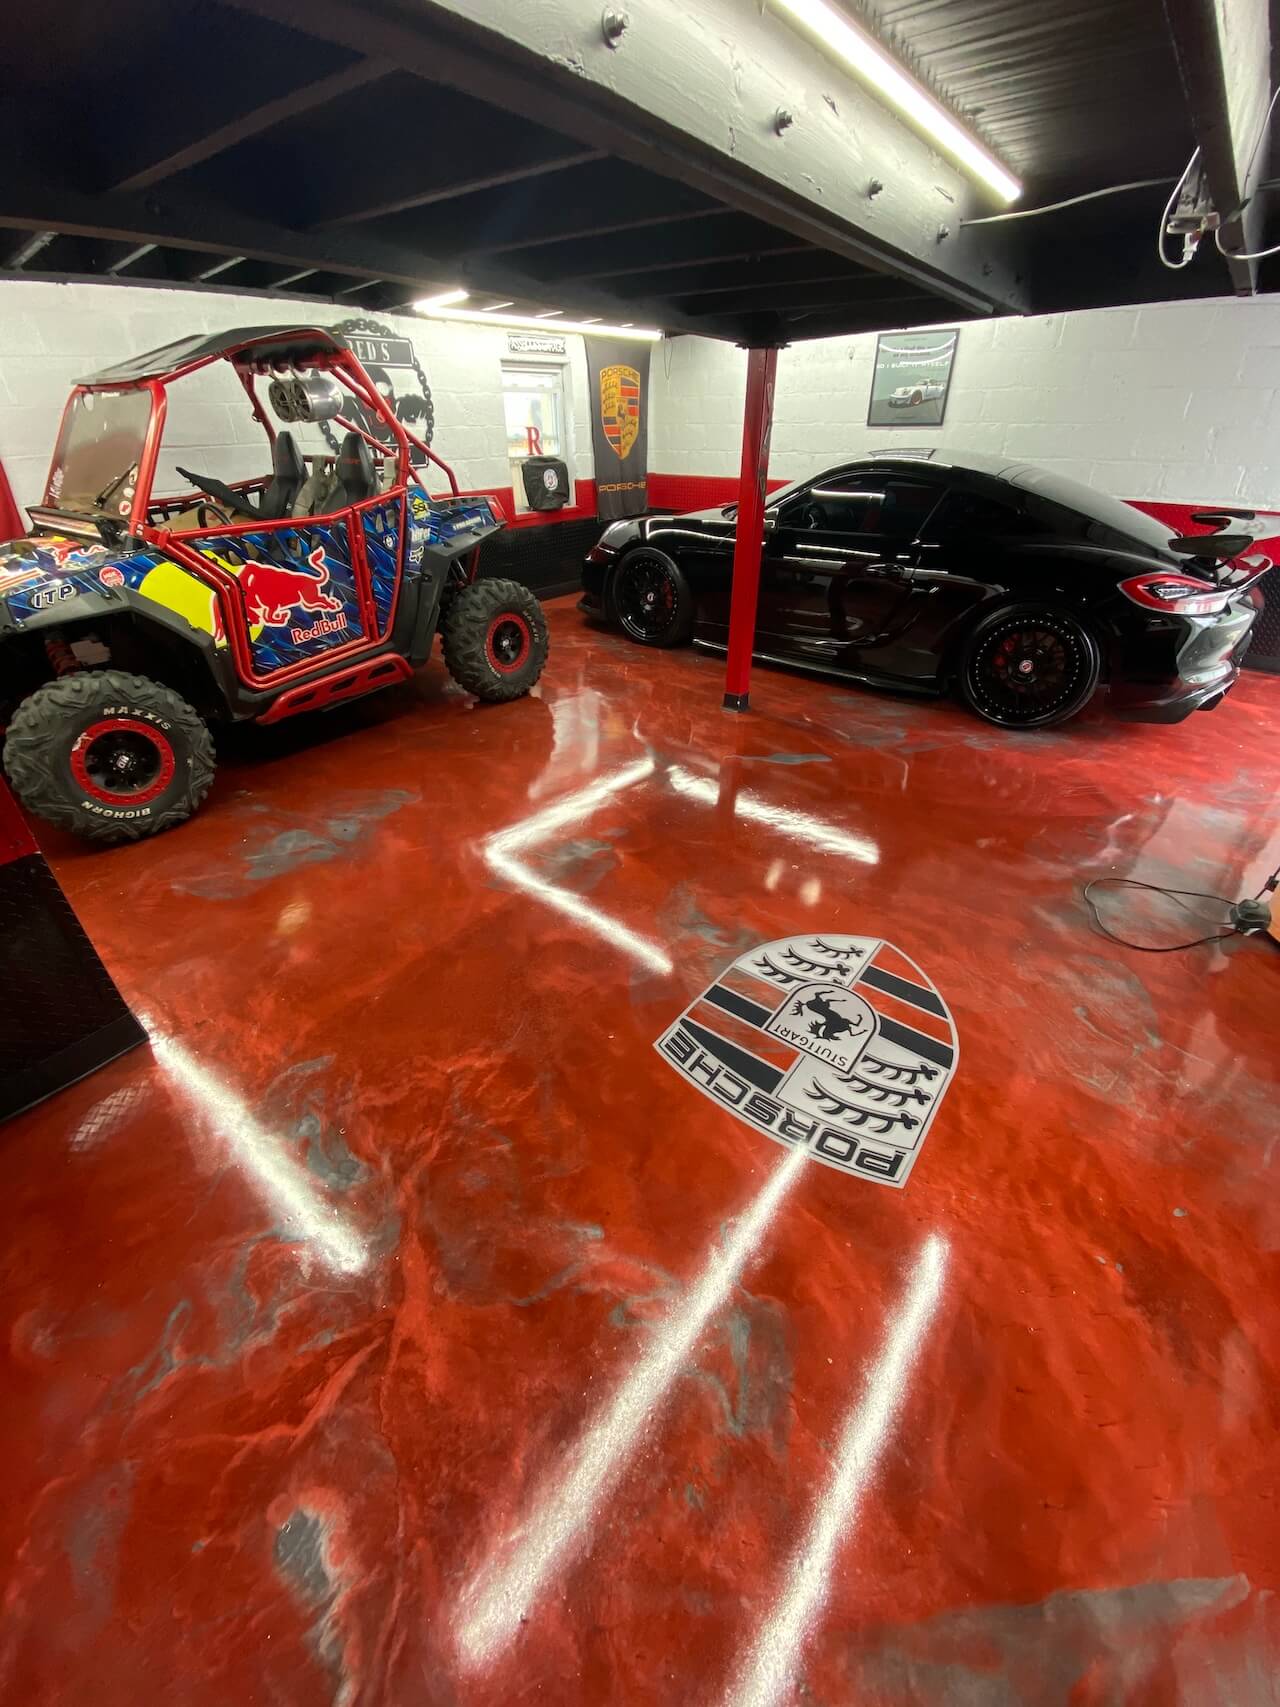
(219, 239)
(582, 205)
(373, 202)
(187, 147)
(746, 283)
(626, 255)
(817, 294)
(1198, 48)
(706, 257)
(581, 97)
(823, 322)
(592, 232)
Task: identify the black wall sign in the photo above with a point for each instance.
(392, 364)
(619, 379)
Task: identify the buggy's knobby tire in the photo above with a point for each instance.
(495, 639)
(53, 735)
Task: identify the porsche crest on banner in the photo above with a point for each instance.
(837, 1043)
(620, 407)
(619, 425)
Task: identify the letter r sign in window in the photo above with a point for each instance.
(533, 402)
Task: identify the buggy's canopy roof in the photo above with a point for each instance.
(295, 345)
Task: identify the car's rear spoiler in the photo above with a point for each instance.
(1215, 550)
(1211, 547)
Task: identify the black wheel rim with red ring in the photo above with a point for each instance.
(122, 761)
(1030, 669)
(508, 642)
(645, 596)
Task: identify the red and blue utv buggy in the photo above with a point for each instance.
(130, 623)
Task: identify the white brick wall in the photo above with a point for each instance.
(51, 335)
(1179, 401)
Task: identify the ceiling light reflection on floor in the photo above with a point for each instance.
(497, 1600)
(766, 1679)
(815, 833)
(500, 853)
(302, 1212)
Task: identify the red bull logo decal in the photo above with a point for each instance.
(272, 593)
(68, 554)
(323, 625)
(275, 593)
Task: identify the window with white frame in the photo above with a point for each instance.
(533, 401)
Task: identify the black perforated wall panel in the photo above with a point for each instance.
(546, 559)
(1264, 645)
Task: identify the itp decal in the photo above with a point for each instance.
(839, 1044)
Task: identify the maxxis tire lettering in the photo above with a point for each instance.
(48, 724)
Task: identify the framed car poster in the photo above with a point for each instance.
(911, 379)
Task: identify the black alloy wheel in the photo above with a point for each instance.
(1029, 668)
(653, 600)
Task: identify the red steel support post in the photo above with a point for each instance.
(757, 422)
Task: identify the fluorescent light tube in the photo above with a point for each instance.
(854, 47)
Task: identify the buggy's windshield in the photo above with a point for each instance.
(94, 465)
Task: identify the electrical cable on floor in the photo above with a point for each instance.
(1146, 947)
(1071, 201)
(1243, 917)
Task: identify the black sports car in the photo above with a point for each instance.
(927, 570)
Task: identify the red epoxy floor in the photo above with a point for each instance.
(404, 1330)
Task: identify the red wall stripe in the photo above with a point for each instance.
(583, 505)
(706, 491)
(696, 491)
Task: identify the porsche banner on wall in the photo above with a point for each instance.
(619, 379)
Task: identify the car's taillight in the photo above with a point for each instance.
(1180, 594)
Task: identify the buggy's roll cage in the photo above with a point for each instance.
(283, 350)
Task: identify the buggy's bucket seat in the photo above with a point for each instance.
(356, 470)
(288, 473)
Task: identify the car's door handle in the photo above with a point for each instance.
(888, 571)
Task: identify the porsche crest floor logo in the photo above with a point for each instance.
(837, 1043)
(620, 407)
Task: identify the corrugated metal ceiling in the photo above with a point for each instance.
(1071, 96)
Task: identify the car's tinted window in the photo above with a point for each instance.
(964, 515)
(1102, 517)
(886, 505)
